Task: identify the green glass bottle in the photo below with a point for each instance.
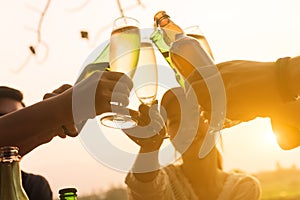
(157, 39)
(101, 63)
(164, 36)
(10, 175)
(68, 194)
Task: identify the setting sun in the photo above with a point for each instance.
(270, 138)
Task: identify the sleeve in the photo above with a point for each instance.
(44, 189)
(36, 187)
(247, 188)
(158, 189)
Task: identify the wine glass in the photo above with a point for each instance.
(146, 74)
(196, 32)
(123, 57)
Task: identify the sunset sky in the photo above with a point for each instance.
(261, 30)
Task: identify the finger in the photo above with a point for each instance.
(144, 108)
(157, 126)
(144, 118)
(62, 89)
(110, 87)
(71, 130)
(117, 77)
(49, 95)
(200, 89)
(57, 91)
(120, 89)
(155, 102)
(154, 113)
(134, 114)
(60, 132)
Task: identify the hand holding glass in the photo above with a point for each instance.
(146, 76)
(123, 56)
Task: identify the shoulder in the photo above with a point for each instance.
(36, 186)
(242, 186)
(33, 178)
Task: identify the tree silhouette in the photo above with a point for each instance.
(34, 48)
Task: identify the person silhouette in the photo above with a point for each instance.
(191, 177)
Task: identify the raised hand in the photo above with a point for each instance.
(150, 132)
(251, 89)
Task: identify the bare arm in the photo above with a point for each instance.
(33, 120)
(149, 136)
(38, 124)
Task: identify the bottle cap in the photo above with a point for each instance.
(65, 191)
(159, 16)
(9, 154)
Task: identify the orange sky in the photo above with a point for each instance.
(256, 30)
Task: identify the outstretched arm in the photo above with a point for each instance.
(260, 89)
(38, 124)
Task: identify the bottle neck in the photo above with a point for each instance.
(169, 29)
(68, 194)
(157, 39)
(10, 175)
(104, 55)
(9, 154)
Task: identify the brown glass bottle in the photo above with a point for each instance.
(164, 34)
(193, 62)
(168, 27)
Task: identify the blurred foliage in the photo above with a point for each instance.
(280, 184)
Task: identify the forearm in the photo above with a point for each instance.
(158, 188)
(146, 166)
(31, 121)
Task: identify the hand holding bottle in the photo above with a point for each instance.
(250, 92)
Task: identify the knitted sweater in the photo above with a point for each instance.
(171, 184)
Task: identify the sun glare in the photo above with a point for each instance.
(270, 137)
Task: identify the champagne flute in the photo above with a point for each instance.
(123, 57)
(146, 76)
(196, 32)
